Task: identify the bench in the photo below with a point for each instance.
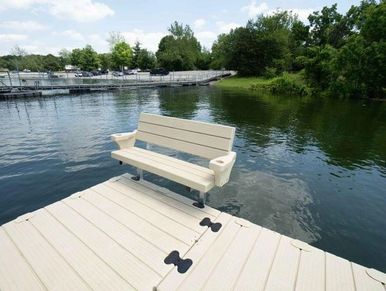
(211, 141)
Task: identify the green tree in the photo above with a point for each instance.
(349, 62)
(146, 59)
(121, 55)
(89, 59)
(299, 41)
(114, 38)
(3, 64)
(221, 51)
(329, 27)
(361, 61)
(51, 63)
(65, 57)
(262, 44)
(204, 60)
(75, 57)
(105, 61)
(136, 52)
(179, 50)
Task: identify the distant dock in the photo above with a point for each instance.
(127, 235)
(26, 89)
(20, 94)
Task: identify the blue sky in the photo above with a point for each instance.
(46, 26)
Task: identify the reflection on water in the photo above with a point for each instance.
(309, 168)
(258, 196)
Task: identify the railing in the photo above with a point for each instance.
(42, 81)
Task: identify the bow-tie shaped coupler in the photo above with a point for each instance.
(214, 226)
(182, 264)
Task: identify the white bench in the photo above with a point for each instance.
(210, 141)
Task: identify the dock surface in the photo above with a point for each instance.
(117, 235)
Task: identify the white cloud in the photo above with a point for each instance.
(72, 34)
(148, 40)
(79, 40)
(206, 38)
(17, 4)
(199, 23)
(98, 42)
(303, 13)
(225, 27)
(22, 25)
(41, 49)
(78, 10)
(253, 9)
(12, 37)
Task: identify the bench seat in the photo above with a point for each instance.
(206, 140)
(191, 175)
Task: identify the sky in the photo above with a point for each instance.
(47, 26)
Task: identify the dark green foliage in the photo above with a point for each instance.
(65, 57)
(288, 86)
(349, 52)
(204, 60)
(76, 56)
(179, 50)
(89, 59)
(121, 55)
(52, 63)
(146, 60)
(342, 55)
(35, 63)
(328, 27)
(267, 42)
(142, 58)
(136, 51)
(105, 61)
(86, 59)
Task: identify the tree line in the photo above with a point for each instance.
(339, 55)
(336, 54)
(86, 59)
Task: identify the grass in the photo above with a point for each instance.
(286, 83)
(242, 82)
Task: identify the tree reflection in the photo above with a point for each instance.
(178, 102)
(350, 132)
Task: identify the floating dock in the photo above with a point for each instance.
(20, 94)
(123, 84)
(127, 235)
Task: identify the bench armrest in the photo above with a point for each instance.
(124, 140)
(222, 167)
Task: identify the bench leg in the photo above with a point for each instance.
(201, 198)
(139, 175)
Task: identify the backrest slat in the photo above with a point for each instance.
(194, 137)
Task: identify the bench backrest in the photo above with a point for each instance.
(194, 137)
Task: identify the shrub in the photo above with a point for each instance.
(270, 72)
(285, 84)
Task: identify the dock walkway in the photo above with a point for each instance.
(117, 236)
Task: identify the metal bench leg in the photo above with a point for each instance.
(201, 197)
(139, 175)
(201, 200)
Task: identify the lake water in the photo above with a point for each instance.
(309, 168)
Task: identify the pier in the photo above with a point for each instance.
(129, 235)
(27, 84)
